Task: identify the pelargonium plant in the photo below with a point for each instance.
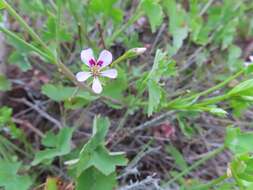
(96, 68)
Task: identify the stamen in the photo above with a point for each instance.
(95, 70)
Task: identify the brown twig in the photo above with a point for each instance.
(28, 125)
(153, 122)
(39, 110)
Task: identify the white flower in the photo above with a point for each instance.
(96, 68)
(248, 63)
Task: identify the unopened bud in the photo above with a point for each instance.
(229, 172)
(141, 50)
(71, 162)
(130, 54)
(135, 52)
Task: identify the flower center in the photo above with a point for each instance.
(95, 67)
(95, 70)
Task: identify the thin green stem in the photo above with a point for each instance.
(3, 151)
(58, 22)
(30, 46)
(26, 26)
(212, 100)
(53, 4)
(119, 59)
(205, 8)
(120, 126)
(81, 28)
(10, 145)
(195, 165)
(220, 85)
(237, 180)
(138, 13)
(208, 91)
(210, 184)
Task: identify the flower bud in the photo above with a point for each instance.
(135, 52)
(141, 50)
(229, 172)
(71, 162)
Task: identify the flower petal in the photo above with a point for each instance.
(251, 58)
(87, 56)
(246, 64)
(82, 76)
(105, 57)
(96, 86)
(111, 73)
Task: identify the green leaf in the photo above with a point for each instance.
(101, 159)
(2, 5)
(234, 53)
(9, 178)
(154, 96)
(181, 103)
(218, 111)
(100, 129)
(239, 142)
(57, 145)
(154, 13)
(116, 88)
(178, 37)
(21, 60)
(16, 41)
(93, 179)
(243, 89)
(228, 32)
(52, 91)
(242, 168)
(5, 115)
(196, 23)
(186, 129)
(178, 25)
(107, 8)
(51, 184)
(37, 6)
(239, 105)
(5, 84)
(23, 46)
(162, 67)
(94, 153)
(50, 33)
(178, 157)
(6, 121)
